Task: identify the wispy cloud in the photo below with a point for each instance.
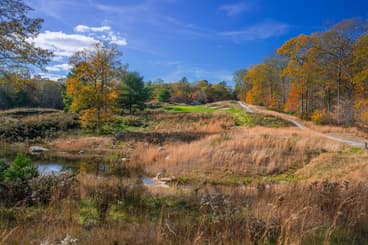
(263, 30)
(238, 8)
(52, 8)
(146, 12)
(196, 73)
(144, 6)
(59, 67)
(84, 28)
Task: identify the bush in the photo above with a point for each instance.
(3, 167)
(21, 171)
(16, 128)
(14, 186)
(320, 117)
(132, 121)
(51, 188)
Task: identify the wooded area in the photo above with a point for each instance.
(322, 76)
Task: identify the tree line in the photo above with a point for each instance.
(322, 76)
(22, 91)
(99, 87)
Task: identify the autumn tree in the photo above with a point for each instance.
(321, 76)
(16, 32)
(92, 84)
(218, 91)
(181, 91)
(241, 85)
(360, 64)
(335, 51)
(20, 90)
(297, 52)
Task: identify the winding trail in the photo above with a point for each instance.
(245, 107)
(289, 118)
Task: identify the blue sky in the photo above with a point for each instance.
(169, 39)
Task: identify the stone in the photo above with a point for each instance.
(119, 136)
(37, 149)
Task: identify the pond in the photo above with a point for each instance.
(148, 181)
(47, 165)
(49, 168)
(57, 165)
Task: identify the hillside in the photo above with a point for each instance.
(219, 167)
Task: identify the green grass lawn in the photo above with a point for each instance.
(189, 108)
(240, 116)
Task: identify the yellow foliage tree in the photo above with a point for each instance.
(92, 84)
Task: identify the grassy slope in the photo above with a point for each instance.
(241, 118)
(175, 220)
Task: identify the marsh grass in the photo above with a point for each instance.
(246, 152)
(235, 185)
(103, 211)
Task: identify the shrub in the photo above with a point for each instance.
(51, 188)
(3, 167)
(132, 121)
(15, 178)
(320, 117)
(30, 127)
(20, 171)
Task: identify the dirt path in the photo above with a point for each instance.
(253, 109)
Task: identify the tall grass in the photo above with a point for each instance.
(245, 151)
(317, 213)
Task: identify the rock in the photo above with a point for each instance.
(37, 149)
(158, 176)
(167, 179)
(119, 136)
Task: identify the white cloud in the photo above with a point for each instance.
(115, 38)
(63, 44)
(236, 8)
(105, 34)
(59, 67)
(263, 30)
(84, 28)
(51, 76)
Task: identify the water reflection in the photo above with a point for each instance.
(83, 166)
(49, 168)
(148, 181)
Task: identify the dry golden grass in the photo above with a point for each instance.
(70, 147)
(75, 144)
(353, 131)
(336, 167)
(303, 213)
(319, 128)
(300, 212)
(192, 122)
(242, 151)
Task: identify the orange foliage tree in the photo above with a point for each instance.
(92, 84)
